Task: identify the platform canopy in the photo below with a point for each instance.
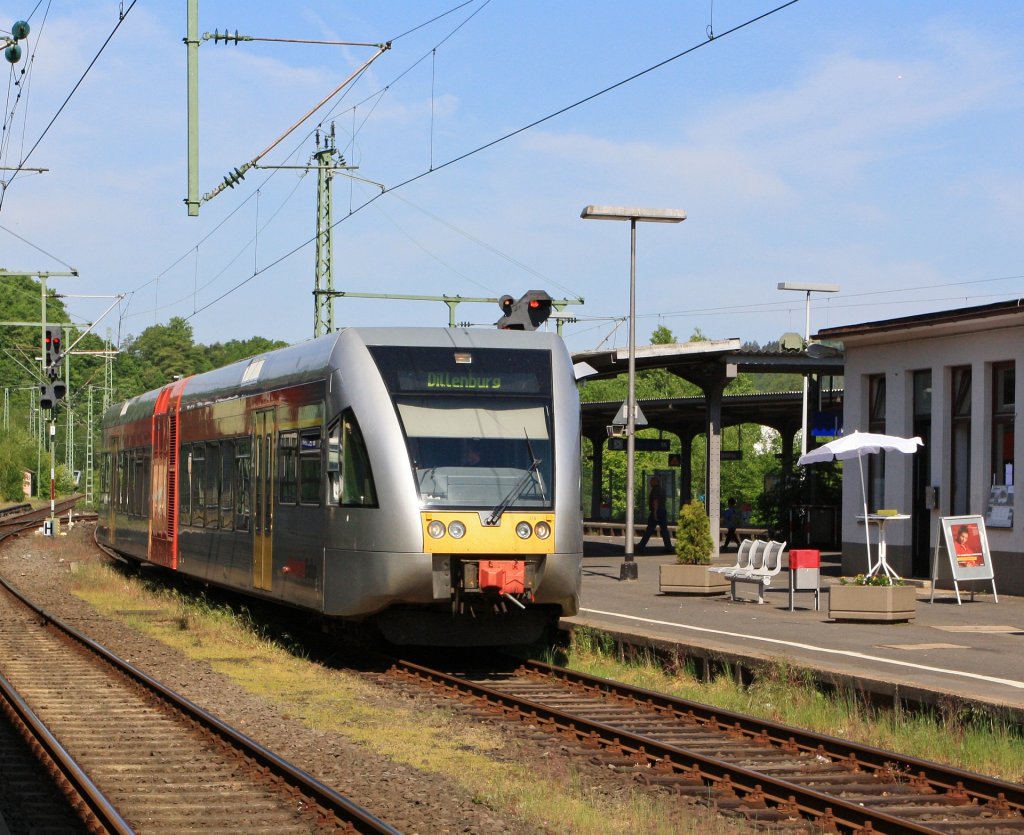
(710, 365)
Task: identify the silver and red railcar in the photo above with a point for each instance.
(424, 481)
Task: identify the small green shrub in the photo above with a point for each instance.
(694, 545)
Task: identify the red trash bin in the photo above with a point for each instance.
(805, 573)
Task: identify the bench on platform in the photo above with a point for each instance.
(745, 556)
(765, 563)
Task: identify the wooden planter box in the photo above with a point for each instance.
(691, 579)
(884, 603)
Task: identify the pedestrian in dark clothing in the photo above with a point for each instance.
(732, 518)
(657, 515)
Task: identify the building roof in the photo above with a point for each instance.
(999, 314)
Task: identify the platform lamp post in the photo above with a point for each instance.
(808, 289)
(628, 570)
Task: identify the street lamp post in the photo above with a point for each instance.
(808, 289)
(628, 570)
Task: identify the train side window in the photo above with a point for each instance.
(288, 446)
(243, 483)
(129, 482)
(309, 467)
(198, 483)
(147, 480)
(105, 479)
(185, 485)
(212, 485)
(349, 477)
(122, 484)
(227, 467)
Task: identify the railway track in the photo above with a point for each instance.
(22, 517)
(765, 771)
(131, 756)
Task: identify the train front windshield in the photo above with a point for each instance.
(477, 423)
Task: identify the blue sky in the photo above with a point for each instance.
(874, 145)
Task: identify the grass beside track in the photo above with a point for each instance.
(547, 793)
(966, 739)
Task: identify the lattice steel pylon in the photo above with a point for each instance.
(108, 373)
(89, 465)
(323, 291)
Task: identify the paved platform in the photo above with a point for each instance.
(949, 653)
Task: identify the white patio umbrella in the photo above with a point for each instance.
(856, 445)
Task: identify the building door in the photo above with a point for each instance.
(263, 500)
(921, 521)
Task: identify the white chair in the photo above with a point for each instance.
(758, 550)
(742, 559)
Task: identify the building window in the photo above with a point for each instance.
(1000, 502)
(960, 451)
(876, 423)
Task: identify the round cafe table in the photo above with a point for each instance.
(880, 519)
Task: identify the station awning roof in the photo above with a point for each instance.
(700, 361)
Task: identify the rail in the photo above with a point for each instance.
(764, 770)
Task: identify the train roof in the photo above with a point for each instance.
(312, 360)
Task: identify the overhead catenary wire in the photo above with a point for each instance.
(503, 138)
(25, 158)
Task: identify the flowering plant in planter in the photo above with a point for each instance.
(873, 580)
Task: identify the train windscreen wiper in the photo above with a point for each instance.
(519, 486)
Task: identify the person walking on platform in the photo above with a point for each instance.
(657, 516)
(731, 517)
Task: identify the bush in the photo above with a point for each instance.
(17, 454)
(694, 545)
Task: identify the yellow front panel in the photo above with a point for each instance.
(487, 539)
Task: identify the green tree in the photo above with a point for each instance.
(17, 454)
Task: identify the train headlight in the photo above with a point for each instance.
(543, 530)
(436, 529)
(456, 530)
(523, 530)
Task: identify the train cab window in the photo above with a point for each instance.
(309, 467)
(197, 480)
(288, 448)
(349, 477)
(243, 483)
(227, 467)
(212, 485)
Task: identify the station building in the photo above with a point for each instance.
(949, 378)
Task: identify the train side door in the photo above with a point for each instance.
(163, 529)
(263, 500)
